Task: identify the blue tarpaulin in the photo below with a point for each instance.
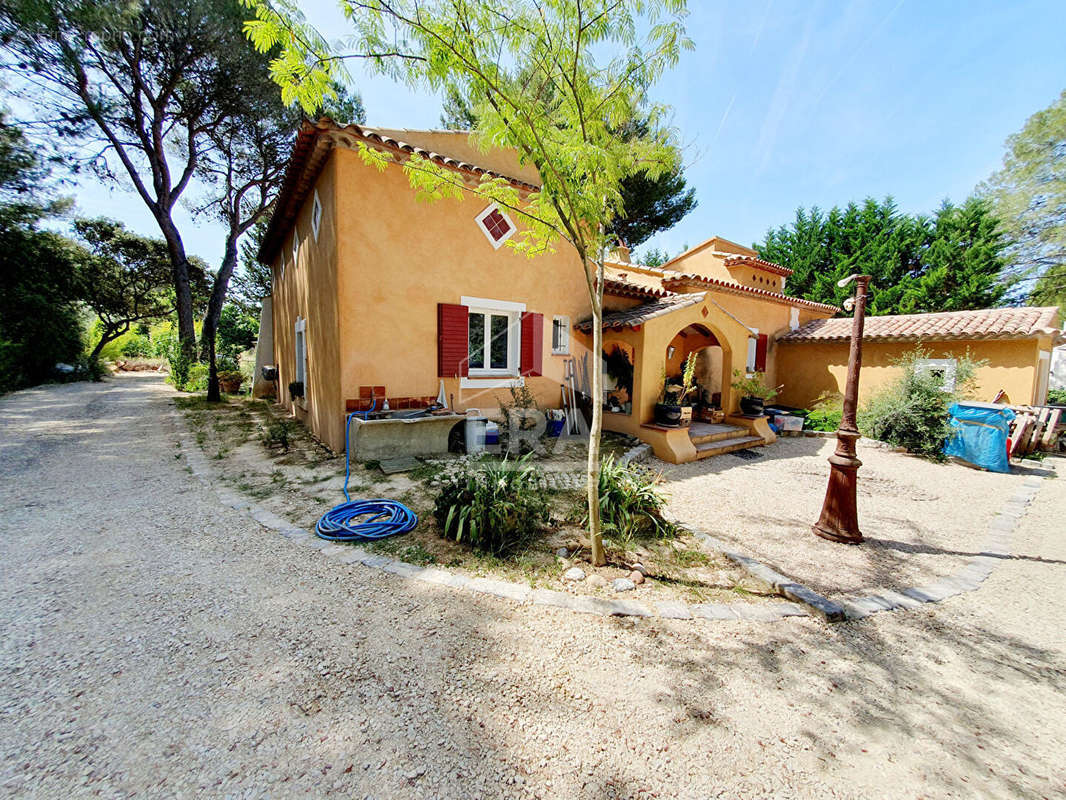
(980, 435)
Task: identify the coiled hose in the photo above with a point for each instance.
(355, 520)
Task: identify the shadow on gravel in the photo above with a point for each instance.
(879, 696)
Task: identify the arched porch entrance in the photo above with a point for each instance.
(710, 369)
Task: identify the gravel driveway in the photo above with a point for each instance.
(154, 643)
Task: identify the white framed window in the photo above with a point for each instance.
(494, 337)
(295, 247)
(560, 336)
(943, 368)
(794, 319)
(300, 353)
(316, 215)
(496, 225)
(753, 348)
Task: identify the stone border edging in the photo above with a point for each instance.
(522, 594)
(996, 548)
(970, 577)
(801, 597)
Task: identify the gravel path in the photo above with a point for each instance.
(921, 520)
(154, 643)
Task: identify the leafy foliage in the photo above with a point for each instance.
(493, 507)
(912, 411)
(753, 385)
(1056, 397)
(124, 278)
(949, 262)
(237, 332)
(252, 282)
(1029, 194)
(631, 503)
(1050, 288)
(653, 257)
(823, 419)
(556, 81)
(40, 323)
(650, 205)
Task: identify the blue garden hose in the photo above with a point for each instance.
(367, 520)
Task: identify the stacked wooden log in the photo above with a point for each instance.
(1036, 428)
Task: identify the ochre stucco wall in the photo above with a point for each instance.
(399, 257)
(812, 370)
(370, 285)
(309, 291)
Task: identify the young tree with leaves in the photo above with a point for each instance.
(650, 205)
(556, 80)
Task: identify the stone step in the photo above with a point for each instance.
(720, 446)
(702, 432)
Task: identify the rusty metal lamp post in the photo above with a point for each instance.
(839, 521)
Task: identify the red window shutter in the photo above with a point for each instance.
(452, 340)
(760, 352)
(532, 344)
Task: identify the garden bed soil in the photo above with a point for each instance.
(305, 480)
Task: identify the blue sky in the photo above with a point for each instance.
(785, 104)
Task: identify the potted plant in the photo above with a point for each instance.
(296, 389)
(668, 410)
(230, 381)
(753, 392)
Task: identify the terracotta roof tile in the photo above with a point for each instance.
(313, 142)
(987, 323)
(638, 315)
(678, 280)
(623, 288)
(738, 260)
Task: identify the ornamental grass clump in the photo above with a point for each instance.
(631, 502)
(496, 507)
(912, 411)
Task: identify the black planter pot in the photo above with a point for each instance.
(667, 415)
(752, 406)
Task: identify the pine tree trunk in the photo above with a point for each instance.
(107, 335)
(218, 295)
(179, 267)
(593, 486)
(214, 391)
(209, 332)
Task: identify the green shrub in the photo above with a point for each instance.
(631, 503)
(1056, 397)
(136, 346)
(823, 419)
(912, 411)
(496, 508)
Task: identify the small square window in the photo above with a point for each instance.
(561, 335)
(496, 225)
(316, 215)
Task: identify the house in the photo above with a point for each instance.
(1015, 343)
(378, 295)
(381, 298)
